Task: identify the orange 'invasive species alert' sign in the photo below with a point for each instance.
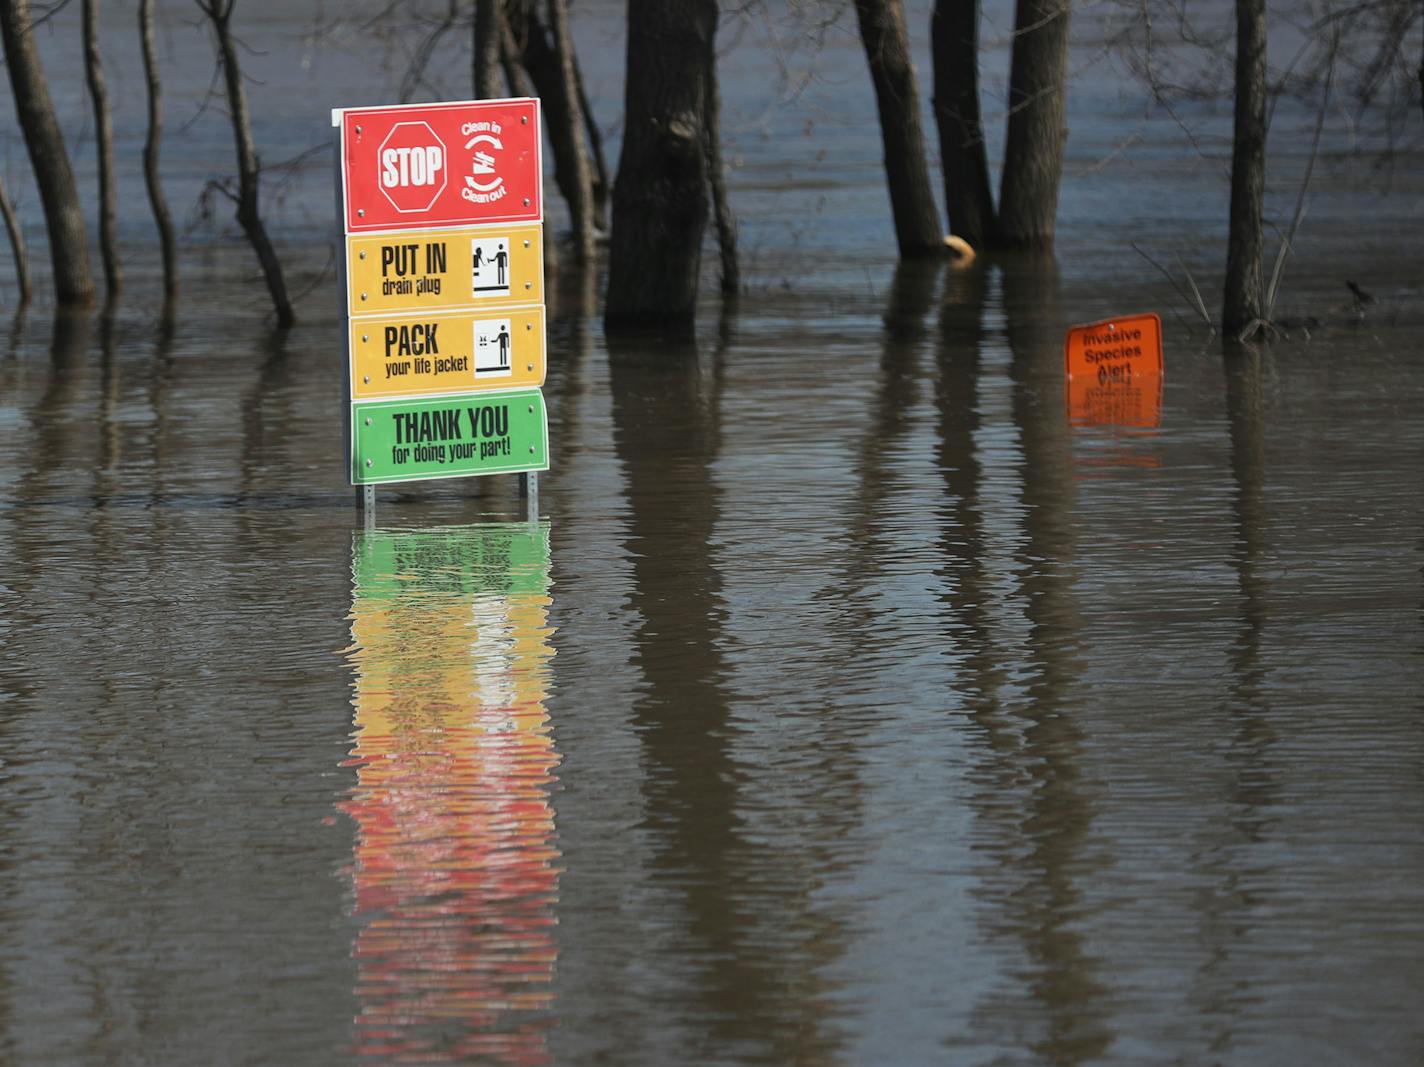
(1115, 351)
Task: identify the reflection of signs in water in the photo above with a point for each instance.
(489, 264)
(454, 867)
(493, 342)
(1120, 403)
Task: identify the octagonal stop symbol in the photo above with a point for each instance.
(412, 166)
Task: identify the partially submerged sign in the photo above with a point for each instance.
(442, 269)
(451, 164)
(413, 439)
(1120, 351)
(493, 348)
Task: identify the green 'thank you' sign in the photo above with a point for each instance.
(448, 436)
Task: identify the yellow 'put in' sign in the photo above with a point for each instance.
(439, 270)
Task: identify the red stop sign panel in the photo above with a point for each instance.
(451, 164)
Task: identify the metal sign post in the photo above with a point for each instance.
(529, 489)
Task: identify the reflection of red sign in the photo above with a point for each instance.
(1115, 351)
(454, 164)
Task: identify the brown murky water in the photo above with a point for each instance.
(849, 704)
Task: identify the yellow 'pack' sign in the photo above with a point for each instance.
(498, 347)
(439, 270)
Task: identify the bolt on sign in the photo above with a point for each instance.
(443, 217)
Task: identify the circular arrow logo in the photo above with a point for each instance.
(483, 163)
(483, 184)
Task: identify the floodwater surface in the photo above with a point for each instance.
(851, 701)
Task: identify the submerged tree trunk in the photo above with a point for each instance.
(1037, 129)
(968, 195)
(104, 144)
(249, 168)
(907, 172)
(489, 39)
(721, 210)
(69, 254)
(1243, 301)
(167, 243)
(660, 195)
(17, 247)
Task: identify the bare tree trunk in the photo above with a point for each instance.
(541, 61)
(511, 56)
(1243, 300)
(249, 168)
(69, 254)
(517, 56)
(968, 195)
(907, 171)
(721, 211)
(17, 246)
(489, 40)
(660, 195)
(547, 54)
(151, 144)
(104, 143)
(595, 144)
(569, 133)
(1037, 131)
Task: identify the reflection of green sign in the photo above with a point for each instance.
(500, 558)
(448, 436)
